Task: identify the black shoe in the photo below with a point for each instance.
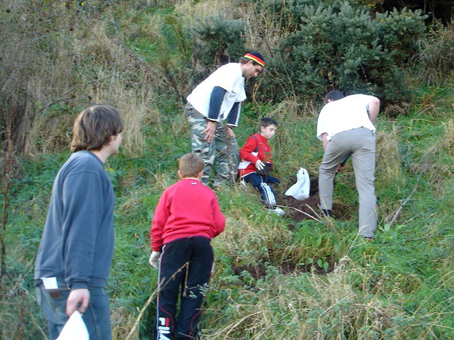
(327, 212)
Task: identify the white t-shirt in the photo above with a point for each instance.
(348, 113)
(231, 79)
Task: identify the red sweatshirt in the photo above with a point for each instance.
(186, 208)
(250, 156)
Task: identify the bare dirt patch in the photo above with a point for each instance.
(310, 208)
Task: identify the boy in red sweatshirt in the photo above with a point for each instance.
(186, 218)
(257, 162)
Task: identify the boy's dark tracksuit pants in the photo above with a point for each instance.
(262, 184)
(184, 264)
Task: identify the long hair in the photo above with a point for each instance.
(94, 127)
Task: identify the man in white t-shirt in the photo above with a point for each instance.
(346, 128)
(217, 99)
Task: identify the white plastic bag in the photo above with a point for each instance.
(300, 190)
(74, 329)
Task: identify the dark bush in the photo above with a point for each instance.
(219, 41)
(343, 45)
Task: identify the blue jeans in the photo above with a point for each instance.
(96, 317)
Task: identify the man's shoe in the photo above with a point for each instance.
(327, 212)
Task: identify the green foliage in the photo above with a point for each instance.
(344, 45)
(219, 41)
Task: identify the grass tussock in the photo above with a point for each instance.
(195, 13)
(436, 56)
(388, 159)
(312, 306)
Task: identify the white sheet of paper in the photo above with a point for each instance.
(50, 282)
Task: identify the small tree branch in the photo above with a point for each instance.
(396, 215)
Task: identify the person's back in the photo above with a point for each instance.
(345, 126)
(186, 218)
(191, 211)
(345, 114)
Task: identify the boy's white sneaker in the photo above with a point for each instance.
(276, 210)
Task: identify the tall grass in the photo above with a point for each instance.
(436, 56)
(67, 59)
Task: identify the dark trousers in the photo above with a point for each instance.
(262, 184)
(184, 269)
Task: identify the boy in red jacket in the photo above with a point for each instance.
(257, 162)
(186, 218)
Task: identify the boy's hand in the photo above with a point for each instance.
(154, 259)
(259, 165)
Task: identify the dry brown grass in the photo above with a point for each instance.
(122, 323)
(388, 159)
(291, 110)
(439, 171)
(448, 140)
(201, 10)
(436, 55)
(307, 306)
(55, 73)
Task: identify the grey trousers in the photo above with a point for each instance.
(360, 143)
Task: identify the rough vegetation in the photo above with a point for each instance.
(295, 277)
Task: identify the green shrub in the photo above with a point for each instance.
(219, 40)
(344, 45)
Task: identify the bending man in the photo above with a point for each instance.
(346, 127)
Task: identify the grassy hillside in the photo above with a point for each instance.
(275, 277)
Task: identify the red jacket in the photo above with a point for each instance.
(255, 148)
(186, 208)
